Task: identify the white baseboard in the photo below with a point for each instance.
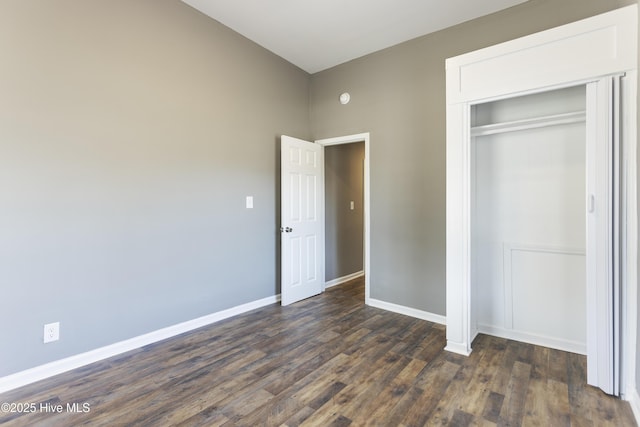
(41, 372)
(343, 279)
(634, 400)
(408, 311)
(558, 344)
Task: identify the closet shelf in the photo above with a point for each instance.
(536, 122)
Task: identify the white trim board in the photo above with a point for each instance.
(19, 379)
(343, 279)
(634, 400)
(600, 45)
(408, 311)
(527, 337)
(630, 243)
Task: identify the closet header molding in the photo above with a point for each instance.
(597, 46)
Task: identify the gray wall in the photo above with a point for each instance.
(398, 95)
(130, 134)
(344, 228)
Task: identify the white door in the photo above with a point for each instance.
(302, 219)
(603, 235)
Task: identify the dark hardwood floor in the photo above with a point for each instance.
(325, 361)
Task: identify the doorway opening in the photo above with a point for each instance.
(344, 212)
(303, 216)
(349, 155)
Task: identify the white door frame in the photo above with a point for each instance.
(347, 139)
(574, 53)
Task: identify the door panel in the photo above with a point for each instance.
(603, 280)
(302, 223)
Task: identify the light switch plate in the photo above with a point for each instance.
(249, 202)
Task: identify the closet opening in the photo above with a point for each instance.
(528, 186)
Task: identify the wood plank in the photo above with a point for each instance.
(514, 400)
(493, 407)
(362, 385)
(299, 417)
(362, 403)
(461, 419)
(503, 376)
(382, 405)
(469, 389)
(433, 380)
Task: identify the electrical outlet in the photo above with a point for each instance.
(51, 332)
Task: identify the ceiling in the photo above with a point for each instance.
(319, 34)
